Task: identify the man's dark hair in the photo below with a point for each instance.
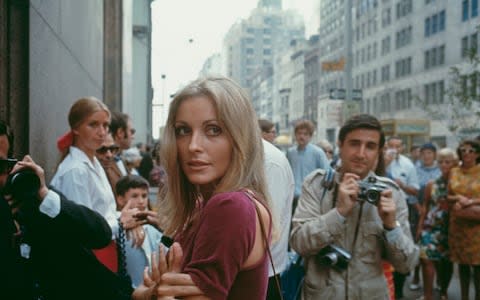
(119, 121)
(265, 125)
(130, 182)
(6, 130)
(362, 121)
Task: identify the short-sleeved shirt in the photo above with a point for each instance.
(403, 169)
(305, 161)
(425, 175)
(217, 244)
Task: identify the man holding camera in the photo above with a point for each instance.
(348, 221)
(46, 240)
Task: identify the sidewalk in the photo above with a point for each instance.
(453, 289)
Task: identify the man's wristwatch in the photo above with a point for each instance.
(397, 224)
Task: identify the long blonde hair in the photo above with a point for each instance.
(235, 112)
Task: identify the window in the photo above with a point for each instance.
(465, 46)
(435, 23)
(428, 30)
(249, 50)
(403, 67)
(474, 8)
(434, 92)
(474, 42)
(464, 10)
(386, 73)
(434, 57)
(386, 17)
(404, 37)
(404, 7)
(469, 45)
(386, 45)
(441, 21)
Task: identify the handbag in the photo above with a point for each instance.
(469, 213)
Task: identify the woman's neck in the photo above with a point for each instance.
(90, 154)
(468, 165)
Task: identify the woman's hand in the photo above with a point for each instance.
(176, 284)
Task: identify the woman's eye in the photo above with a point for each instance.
(181, 131)
(213, 130)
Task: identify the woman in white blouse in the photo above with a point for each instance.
(80, 176)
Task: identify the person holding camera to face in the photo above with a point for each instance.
(46, 241)
(348, 221)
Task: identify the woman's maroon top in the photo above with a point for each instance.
(218, 243)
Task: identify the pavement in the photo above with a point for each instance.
(453, 289)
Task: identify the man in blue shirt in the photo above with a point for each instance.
(304, 158)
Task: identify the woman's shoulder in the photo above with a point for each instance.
(236, 201)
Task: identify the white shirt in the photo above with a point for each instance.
(281, 185)
(86, 183)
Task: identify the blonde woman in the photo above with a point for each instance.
(216, 200)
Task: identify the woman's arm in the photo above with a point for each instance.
(426, 205)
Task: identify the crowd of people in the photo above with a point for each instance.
(232, 207)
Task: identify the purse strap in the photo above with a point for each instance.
(267, 246)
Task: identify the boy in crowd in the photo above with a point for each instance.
(132, 193)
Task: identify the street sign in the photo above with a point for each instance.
(342, 94)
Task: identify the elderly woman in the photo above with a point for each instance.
(432, 231)
(464, 231)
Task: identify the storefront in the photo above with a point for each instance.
(411, 131)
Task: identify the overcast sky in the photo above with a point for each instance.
(186, 32)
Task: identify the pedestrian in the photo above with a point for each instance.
(123, 133)
(269, 133)
(132, 191)
(217, 198)
(337, 217)
(46, 241)
(403, 172)
(464, 229)
(80, 177)
(304, 157)
(432, 232)
(281, 186)
(106, 156)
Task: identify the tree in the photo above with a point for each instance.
(457, 105)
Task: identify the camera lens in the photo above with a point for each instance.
(373, 196)
(22, 185)
(329, 259)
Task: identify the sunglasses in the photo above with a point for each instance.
(467, 150)
(7, 164)
(113, 149)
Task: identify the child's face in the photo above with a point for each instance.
(139, 198)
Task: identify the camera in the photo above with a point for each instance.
(22, 185)
(371, 190)
(335, 257)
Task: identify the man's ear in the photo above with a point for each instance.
(119, 134)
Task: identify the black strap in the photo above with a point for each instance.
(122, 257)
(267, 246)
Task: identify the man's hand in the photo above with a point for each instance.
(386, 210)
(28, 163)
(347, 193)
(150, 217)
(128, 217)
